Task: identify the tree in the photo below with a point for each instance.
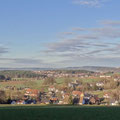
(111, 85)
(49, 81)
(2, 97)
(116, 95)
(86, 87)
(8, 78)
(70, 100)
(16, 95)
(95, 87)
(2, 77)
(67, 80)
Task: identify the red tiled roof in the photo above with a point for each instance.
(76, 93)
(51, 87)
(67, 94)
(54, 99)
(33, 91)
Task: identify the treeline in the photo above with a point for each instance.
(2, 78)
(74, 71)
(20, 74)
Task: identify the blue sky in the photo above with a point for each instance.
(59, 33)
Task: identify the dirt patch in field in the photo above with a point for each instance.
(12, 82)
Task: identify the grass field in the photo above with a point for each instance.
(35, 84)
(59, 113)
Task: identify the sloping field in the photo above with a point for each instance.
(59, 113)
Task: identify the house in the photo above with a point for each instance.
(60, 102)
(73, 84)
(97, 99)
(76, 93)
(31, 92)
(100, 84)
(20, 102)
(45, 100)
(51, 89)
(63, 92)
(13, 102)
(92, 100)
(114, 102)
(105, 76)
(54, 100)
(65, 98)
(65, 95)
(106, 95)
(116, 79)
(78, 97)
(87, 97)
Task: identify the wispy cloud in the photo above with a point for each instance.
(67, 33)
(93, 3)
(78, 29)
(22, 62)
(111, 22)
(3, 50)
(94, 44)
(107, 32)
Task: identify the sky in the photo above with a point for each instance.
(59, 33)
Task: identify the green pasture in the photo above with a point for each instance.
(59, 113)
(35, 84)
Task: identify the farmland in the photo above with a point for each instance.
(59, 87)
(59, 113)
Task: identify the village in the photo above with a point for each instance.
(77, 88)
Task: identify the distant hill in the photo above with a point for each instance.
(96, 68)
(27, 69)
(87, 68)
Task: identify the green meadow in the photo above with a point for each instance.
(59, 113)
